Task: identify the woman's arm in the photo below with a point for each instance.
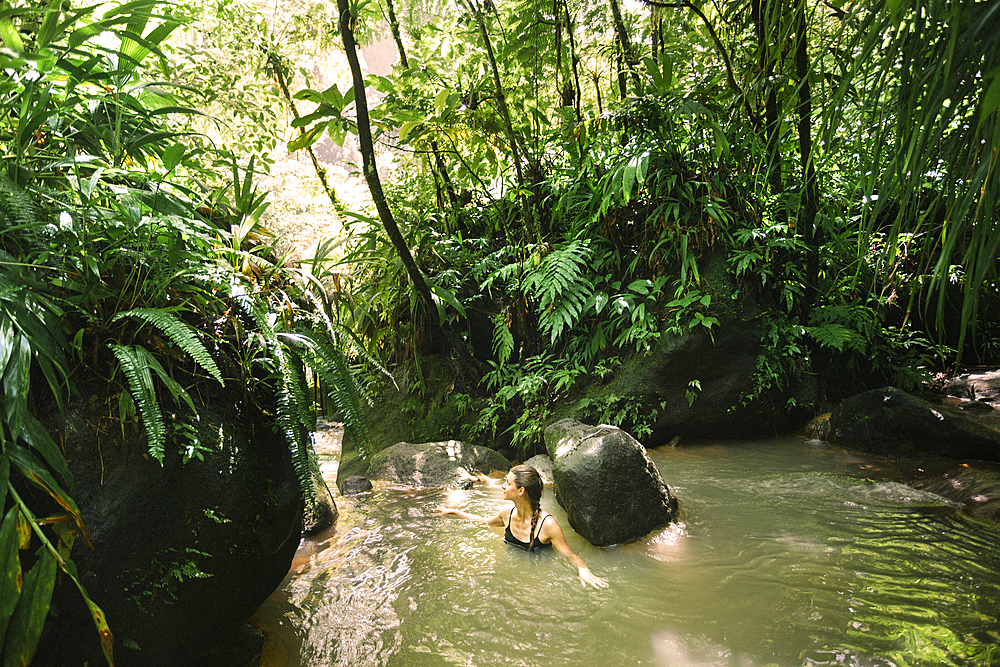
(554, 533)
(495, 521)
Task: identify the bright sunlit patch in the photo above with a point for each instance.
(455, 497)
(667, 544)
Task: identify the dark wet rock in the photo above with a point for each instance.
(322, 512)
(606, 482)
(889, 422)
(658, 385)
(184, 553)
(451, 464)
(356, 484)
(543, 464)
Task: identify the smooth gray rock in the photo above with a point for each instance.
(543, 464)
(451, 463)
(606, 482)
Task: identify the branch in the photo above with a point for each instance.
(686, 4)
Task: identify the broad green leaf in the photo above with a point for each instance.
(173, 155)
(10, 566)
(38, 474)
(447, 296)
(37, 437)
(408, 127)
(307, 138)
(10, 35)
(26, 623)
(441, 101)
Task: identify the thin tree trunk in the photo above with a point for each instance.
(367, 147)
(394, 27)
(624, 46)
(574, 62)
(772, 121)
(505, 114)
(275, 64)
(439, 166)
(807, 215)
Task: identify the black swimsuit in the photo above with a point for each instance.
(509, 538)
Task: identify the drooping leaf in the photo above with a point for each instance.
(25, 627)
(10, 567)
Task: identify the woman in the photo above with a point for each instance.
(527, 525)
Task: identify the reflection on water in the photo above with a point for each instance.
(787, 554)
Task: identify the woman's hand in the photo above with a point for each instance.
(587, 578)
(444, 509)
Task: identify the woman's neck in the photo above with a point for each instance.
(523, 506)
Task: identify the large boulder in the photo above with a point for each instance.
(606, 482)
(891, 423)
(184, 552)
(451, 463)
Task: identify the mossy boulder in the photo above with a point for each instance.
(183, 552)
(606, 482)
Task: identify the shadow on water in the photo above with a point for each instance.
(789, 553)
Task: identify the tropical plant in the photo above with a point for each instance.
(109, 259)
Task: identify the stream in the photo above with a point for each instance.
(788, 553)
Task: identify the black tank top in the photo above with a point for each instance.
(509, 538)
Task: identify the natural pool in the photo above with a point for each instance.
(789, 553)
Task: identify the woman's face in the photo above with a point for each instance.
(509, 489)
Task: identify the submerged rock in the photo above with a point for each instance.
(606, 482)
(889, 422)
(451, 463)
(356, 484)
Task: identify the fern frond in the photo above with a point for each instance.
(140, 382)
(290, 408)
(503, 339)
(562, 287)
(294, 417)
(16, 206)
(342, 388)
(179, 333)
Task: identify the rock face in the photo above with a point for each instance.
(609, 487)
(889, 422)
(435, 464)
(183, 553)
(659, 382)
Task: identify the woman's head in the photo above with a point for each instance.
(527, 478)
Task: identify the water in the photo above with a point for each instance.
(788, 554)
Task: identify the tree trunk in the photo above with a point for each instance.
(808, 203)
(394, 27)
(275, 63)
(625, 48)
(367, 147)
(505, 114)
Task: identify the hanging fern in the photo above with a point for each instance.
(562, 287)
(15, 206)
(140, 382)
(294, 416)
(179, 333)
